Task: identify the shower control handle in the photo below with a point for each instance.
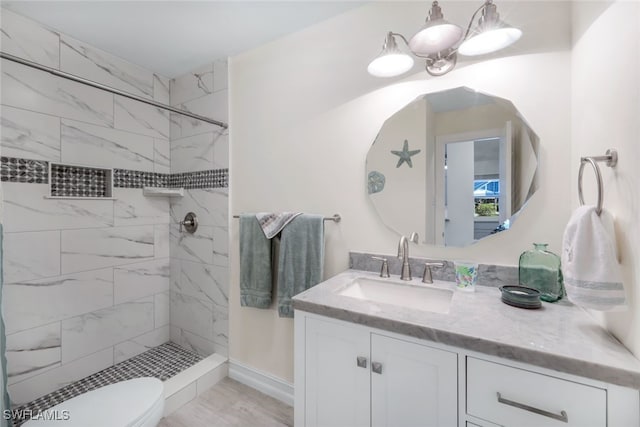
(190, 223)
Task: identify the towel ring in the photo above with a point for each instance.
(596, 168)
(611, 159)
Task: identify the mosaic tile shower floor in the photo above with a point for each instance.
(161, 362)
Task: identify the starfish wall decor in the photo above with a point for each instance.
(405, 154)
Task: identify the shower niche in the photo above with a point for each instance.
(80, 182)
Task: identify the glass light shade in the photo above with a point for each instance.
(436, 36)
(390, 64)
(489, 40)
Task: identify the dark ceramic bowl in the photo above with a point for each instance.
(521, 296)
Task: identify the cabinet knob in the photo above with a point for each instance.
(376, 367)
(361, 361)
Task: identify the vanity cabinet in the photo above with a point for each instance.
(347, 374)
(355, 377)
(336, 389)
(510, 397)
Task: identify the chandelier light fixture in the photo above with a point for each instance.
(439, 42)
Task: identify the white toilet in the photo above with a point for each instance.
(133, 403)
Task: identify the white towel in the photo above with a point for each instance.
(590, 265)
(273, 223)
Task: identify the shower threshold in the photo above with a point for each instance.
(185, 375)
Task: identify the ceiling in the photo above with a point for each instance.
(174, 37)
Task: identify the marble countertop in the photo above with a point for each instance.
(559, 336)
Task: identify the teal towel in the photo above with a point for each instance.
(301, 259)
(255, 264)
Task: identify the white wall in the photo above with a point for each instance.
(605, 112)
(481, 117)
(304, 113)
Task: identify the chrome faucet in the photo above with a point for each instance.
(403, 253)
(426, 276)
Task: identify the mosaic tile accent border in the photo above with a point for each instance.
(14, 169)
(213, 178)
(162, 362)
(126, 178)
(77, 181)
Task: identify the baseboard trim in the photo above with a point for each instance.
(261, 381)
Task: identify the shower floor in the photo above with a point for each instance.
(162, 362)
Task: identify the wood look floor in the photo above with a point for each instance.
(231, 403)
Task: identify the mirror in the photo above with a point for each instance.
(454, 166)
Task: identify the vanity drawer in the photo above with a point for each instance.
(515, 397)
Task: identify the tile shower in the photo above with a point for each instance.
(162, 362)
(92, 282)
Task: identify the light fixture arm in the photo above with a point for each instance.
(473, 17)
(402, 37)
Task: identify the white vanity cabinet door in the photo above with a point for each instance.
(514, 397)
(336, 388)
(416, 386)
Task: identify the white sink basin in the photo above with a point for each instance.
(399, 293)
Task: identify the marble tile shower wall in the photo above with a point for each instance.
(200, 261)
(86, 282)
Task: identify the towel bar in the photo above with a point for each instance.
(334, 218)
(611, 159)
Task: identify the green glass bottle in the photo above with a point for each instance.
(540, 269)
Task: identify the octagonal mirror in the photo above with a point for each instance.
(454, 166)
